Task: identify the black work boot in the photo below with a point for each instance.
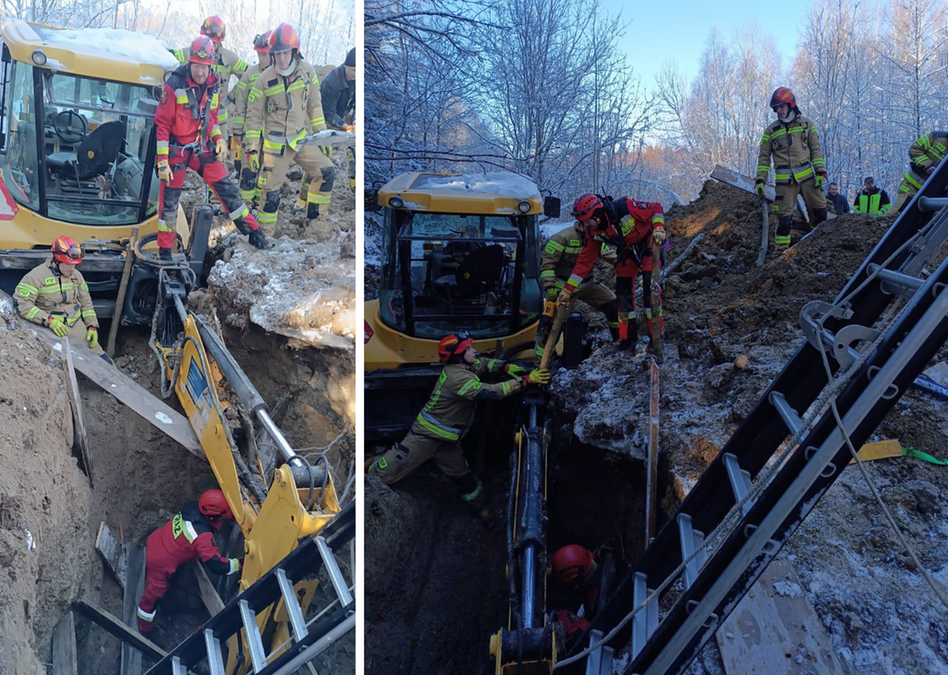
(259, 240)
(164, 255)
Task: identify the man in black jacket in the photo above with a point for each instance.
(339, 92)
(837, 202)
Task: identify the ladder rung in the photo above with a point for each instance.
(787, 414)
(215, 658)
(690, 539)
(902, 282)
(930, 204)
(646, 621)
(594, 662)
(293, 609)
(258, 657)
(335, 574)
(740, 481)
(176, 667)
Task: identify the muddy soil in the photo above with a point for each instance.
(720, 306)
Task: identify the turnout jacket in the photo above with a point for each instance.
(928, 151)
(188, 535)
(226, 63)
(237, 98)
(44, 291)
(560, 254)
(630, 225)
(282, 110)
(187, 112)
(449, 412)
(795, 148)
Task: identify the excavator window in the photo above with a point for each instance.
(20, 164)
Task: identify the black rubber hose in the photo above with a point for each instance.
(516, 349)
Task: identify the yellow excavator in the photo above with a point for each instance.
(459, 252)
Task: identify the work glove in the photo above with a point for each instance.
(564, 296)
(220, 147)
(538, 376)
(552, 293)
(759, 187)
(57, 326)
(326, 150)
(164, 171)
(658, 235)
(253, 160)
(514, 370)
(821, 179)
(92, 336)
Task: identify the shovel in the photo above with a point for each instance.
(560, 312)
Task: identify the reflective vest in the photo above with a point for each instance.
(876, 204)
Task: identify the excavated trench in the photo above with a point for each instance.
(49, 513)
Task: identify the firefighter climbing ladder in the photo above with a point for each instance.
(788, 450)
(241, 613)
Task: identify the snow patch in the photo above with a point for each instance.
(787, 589)
(163, 418)
(115, 42)
(500, 183)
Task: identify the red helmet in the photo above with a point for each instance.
(453, 345)
(66, 250)
(214, 28)
(284, 38)
(783, 95)
(201, 51)
(261, 43)
(213, 504)
(585, 206)
(571, 563)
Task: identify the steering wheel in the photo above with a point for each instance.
(66, 127)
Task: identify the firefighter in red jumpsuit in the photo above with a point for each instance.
(188, 535)
(189, 136)
(630, 226)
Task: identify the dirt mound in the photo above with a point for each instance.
(720, 305)
(45, 547)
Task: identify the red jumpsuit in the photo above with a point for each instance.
(187, 128)
(188, 535)
(630, 231)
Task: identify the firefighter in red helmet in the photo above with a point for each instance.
(190, 534)
(56, 295)
(794, 143)
(188, 135)
(437, 431)
(579, 575)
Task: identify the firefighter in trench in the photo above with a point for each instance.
(189, 534)
(794, 144)
(283, 108)
(237, 100)
(630, 227)
(188, 135)
(556, 264)
(924, 157)
(447, 416)
(55, 295)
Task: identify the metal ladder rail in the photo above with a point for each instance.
(762, 432)
(240, 613)
(812, 468)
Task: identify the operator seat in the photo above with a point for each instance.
(93, 156)
(480, 271)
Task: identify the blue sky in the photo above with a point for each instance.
(678, 29)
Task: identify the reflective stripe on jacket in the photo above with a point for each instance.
(876, 203)
(560, 254)
(285, 109)
(188, 535)
(226, 63)
(45, 291)
(795, 148)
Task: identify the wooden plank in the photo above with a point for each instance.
(112, 552)
(134, 587)
(206, 588)
(152, 409)
(746, 184)
(774, 629)
(764, 232)
(123, 287)
(651, 475)
(111, 624)
(76, 404)
(65, 661)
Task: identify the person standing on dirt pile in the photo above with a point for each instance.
(188, 535)
(794, 143)
(285, 106)
(339, 95)
(836, 202)
(225, 64)
(925, 154)
(630, 227)
(556, 264)
(56, 296)
(872, 200)
(437, 431)
(188, 136)
(237, 99)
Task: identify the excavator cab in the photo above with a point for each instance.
(460, 252)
